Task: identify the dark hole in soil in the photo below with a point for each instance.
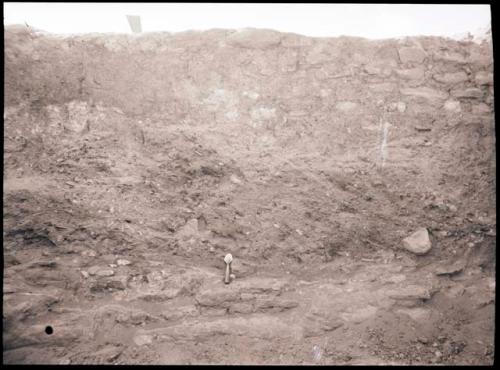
(49, 330)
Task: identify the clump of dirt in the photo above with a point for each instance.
(134, 163)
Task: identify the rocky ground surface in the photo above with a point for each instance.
(353, 182)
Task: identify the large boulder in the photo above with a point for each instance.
(418, 242)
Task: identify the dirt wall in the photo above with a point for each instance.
(134, 163)
(424, 104)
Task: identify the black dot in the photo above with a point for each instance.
(49, 330)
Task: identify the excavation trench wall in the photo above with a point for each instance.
(420, 109)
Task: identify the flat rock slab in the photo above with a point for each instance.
(451, 78)
(100, 271)
(410, 292)
(470, 93)
(256, 326)
(427, 93)
(417, 314)
(451, 269)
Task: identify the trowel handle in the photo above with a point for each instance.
(228, 272)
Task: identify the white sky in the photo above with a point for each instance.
(365, 20)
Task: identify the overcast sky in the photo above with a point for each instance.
(365, 20)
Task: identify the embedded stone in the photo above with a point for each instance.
(470, 93)
(425, 92)
(411, 54)
(451, 78)
(411, 74)
(418, 242)
(452, 106)
(346, 106)
(484, 78)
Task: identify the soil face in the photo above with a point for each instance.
(134, 164)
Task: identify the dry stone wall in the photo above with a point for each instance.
(423, 103)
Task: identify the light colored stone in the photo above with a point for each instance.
(241, 308)
(383, 87)
(123, 262)
(452, 269)
(470, 93)
(217, 298)
(411, 54)
(359, 315)
(317, 55)
(234, 179)
(142, 340)
(276, 303)
(451, 78)
(425, 92)
(411, 74)
(189, 230)
(452, 106)
(377, 70)
(346, 106)
(254, 39)
(89, 253)
(263, 113)
(93, 270)
(451, 57)
(396, 279)
(105, 272)
(176, 313)
(410, 292)
(418, 242)
(484, 78)
(401, 107)
(481, 108)
(397, 106)
(372, 70)
(481, 59)
(417, 313)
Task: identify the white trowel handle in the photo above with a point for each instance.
(228, 272)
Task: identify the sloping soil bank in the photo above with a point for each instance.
(133, 164)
